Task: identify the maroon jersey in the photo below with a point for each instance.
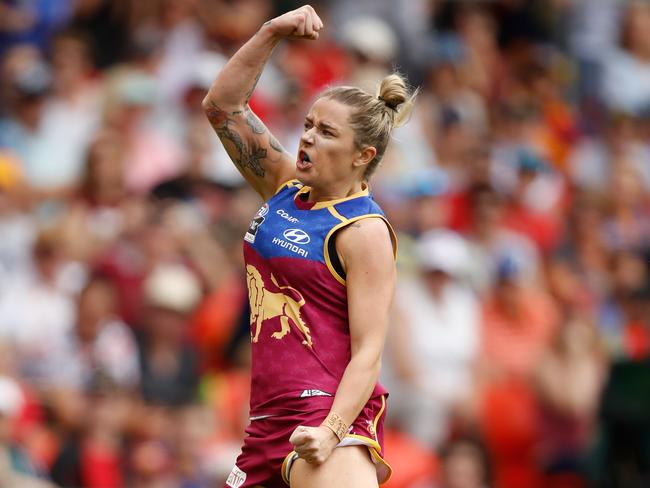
(298, 299)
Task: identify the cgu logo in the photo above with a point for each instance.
(286, 216)
(297, 236)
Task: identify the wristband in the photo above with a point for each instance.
(335, 423)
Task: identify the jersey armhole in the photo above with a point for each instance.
(331, 256)
(335, 261)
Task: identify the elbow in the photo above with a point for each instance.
(215, 97)
(213, 102)
(208, 103)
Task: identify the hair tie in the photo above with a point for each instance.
(386, 103)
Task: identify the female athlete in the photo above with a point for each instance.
(320, 270)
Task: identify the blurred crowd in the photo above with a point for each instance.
(519, 348)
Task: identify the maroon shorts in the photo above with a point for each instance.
(267, 454)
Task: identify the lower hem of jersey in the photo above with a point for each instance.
(384, 470)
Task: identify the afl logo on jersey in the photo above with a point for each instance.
(256, 222)
(297, 236)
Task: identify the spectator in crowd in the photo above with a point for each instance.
(169, 363)
(465, 464)
(627, 69)
(33, 330)
(433, 351)
(100, 348)
(492, 244)
(518, 324)
(569, 381)
(16, 469)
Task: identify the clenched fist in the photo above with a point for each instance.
(302, 23)
(313, 444)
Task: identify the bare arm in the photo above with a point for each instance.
(256, 153)
(366, 253)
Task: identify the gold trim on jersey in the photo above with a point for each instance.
(345, 223)
(328, 203)
(288, 184)
(336, 214)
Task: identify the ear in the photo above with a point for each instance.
(364, 156)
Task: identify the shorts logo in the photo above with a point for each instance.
(297, 236)
(371, 428)
(255, 223)
(236, 478)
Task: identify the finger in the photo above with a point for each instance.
(318, 23)
(309, 23)
(300, 24)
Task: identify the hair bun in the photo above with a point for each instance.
(394, 92)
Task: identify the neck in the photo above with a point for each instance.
(334, 192)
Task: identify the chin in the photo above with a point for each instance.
(305, 177)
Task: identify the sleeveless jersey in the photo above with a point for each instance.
(298, 300)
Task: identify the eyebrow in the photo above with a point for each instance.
(322, 125)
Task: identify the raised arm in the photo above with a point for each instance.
(257, 154)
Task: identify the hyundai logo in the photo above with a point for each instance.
(297, 236)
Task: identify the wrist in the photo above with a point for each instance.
(268, 32)
(335, 423)
(331, 435)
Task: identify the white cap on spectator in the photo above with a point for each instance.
(11, 397)
(174, 287)
(442, 250)
(372, 37)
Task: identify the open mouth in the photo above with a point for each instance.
(303, 162)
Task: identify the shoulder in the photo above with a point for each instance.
(365, 239)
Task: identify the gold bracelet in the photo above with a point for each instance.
(335, 423)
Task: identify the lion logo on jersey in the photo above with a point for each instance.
(266, 304)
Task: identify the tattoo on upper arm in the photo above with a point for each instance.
(275, 144)
(254, 122)
(247, 156)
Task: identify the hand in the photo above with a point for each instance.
(313, 444)
(302, 23)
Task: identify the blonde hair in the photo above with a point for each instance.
(374, 117)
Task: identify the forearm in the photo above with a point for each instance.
(235, 83)
(356, 386)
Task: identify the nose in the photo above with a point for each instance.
(307, 137)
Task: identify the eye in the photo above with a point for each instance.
(327, 133)
(308, 125)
